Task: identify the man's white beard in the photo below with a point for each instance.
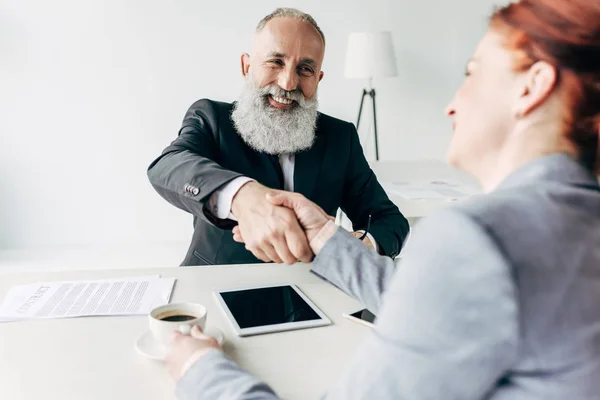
(271, 130)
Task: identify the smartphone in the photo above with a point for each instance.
(363, 316)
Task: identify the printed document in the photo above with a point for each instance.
(129, 296)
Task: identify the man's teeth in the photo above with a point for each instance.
(282, 100)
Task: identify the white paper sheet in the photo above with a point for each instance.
(68, 299)
(430, 190)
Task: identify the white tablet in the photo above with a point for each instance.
(266, 309)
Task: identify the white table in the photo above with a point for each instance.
(94, 358)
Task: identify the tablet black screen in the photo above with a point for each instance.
(268, 306)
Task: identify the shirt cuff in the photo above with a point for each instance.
(220, 201)
(372, 239)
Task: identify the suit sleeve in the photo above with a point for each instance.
(216, 377)
(339, 261)
(187, 173)
(364, 196)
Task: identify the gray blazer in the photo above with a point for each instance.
(495, 298)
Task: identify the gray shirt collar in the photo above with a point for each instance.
(559, 167)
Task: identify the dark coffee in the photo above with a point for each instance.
(178, 318)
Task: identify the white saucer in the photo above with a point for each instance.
(147, 346)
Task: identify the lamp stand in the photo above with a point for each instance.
(371, 94)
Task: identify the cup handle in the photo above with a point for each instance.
(184, 329)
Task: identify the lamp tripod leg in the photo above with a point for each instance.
(362, 102)
(375, 126)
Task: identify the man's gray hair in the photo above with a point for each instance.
(290, 13)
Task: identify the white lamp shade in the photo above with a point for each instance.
(370, 55)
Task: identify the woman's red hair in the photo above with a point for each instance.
(566, 34)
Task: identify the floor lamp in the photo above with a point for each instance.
(370, 55)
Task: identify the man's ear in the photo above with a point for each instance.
(538, 84)
(245, 63)
(321, 75)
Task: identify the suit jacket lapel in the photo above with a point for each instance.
(307, 165)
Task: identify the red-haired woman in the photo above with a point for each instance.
(498, 297)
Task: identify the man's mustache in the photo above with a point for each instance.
(295, 94)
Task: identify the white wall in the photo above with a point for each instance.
(92, 91)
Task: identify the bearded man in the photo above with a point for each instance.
(227, 158)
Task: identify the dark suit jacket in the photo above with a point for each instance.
(208, 153)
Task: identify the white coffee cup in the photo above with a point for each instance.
(163, 321)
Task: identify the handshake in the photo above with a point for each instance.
(279, 226)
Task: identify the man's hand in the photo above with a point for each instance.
(186, 350)
(271, 232)
(311, 216)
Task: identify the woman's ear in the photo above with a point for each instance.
(536, 86)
